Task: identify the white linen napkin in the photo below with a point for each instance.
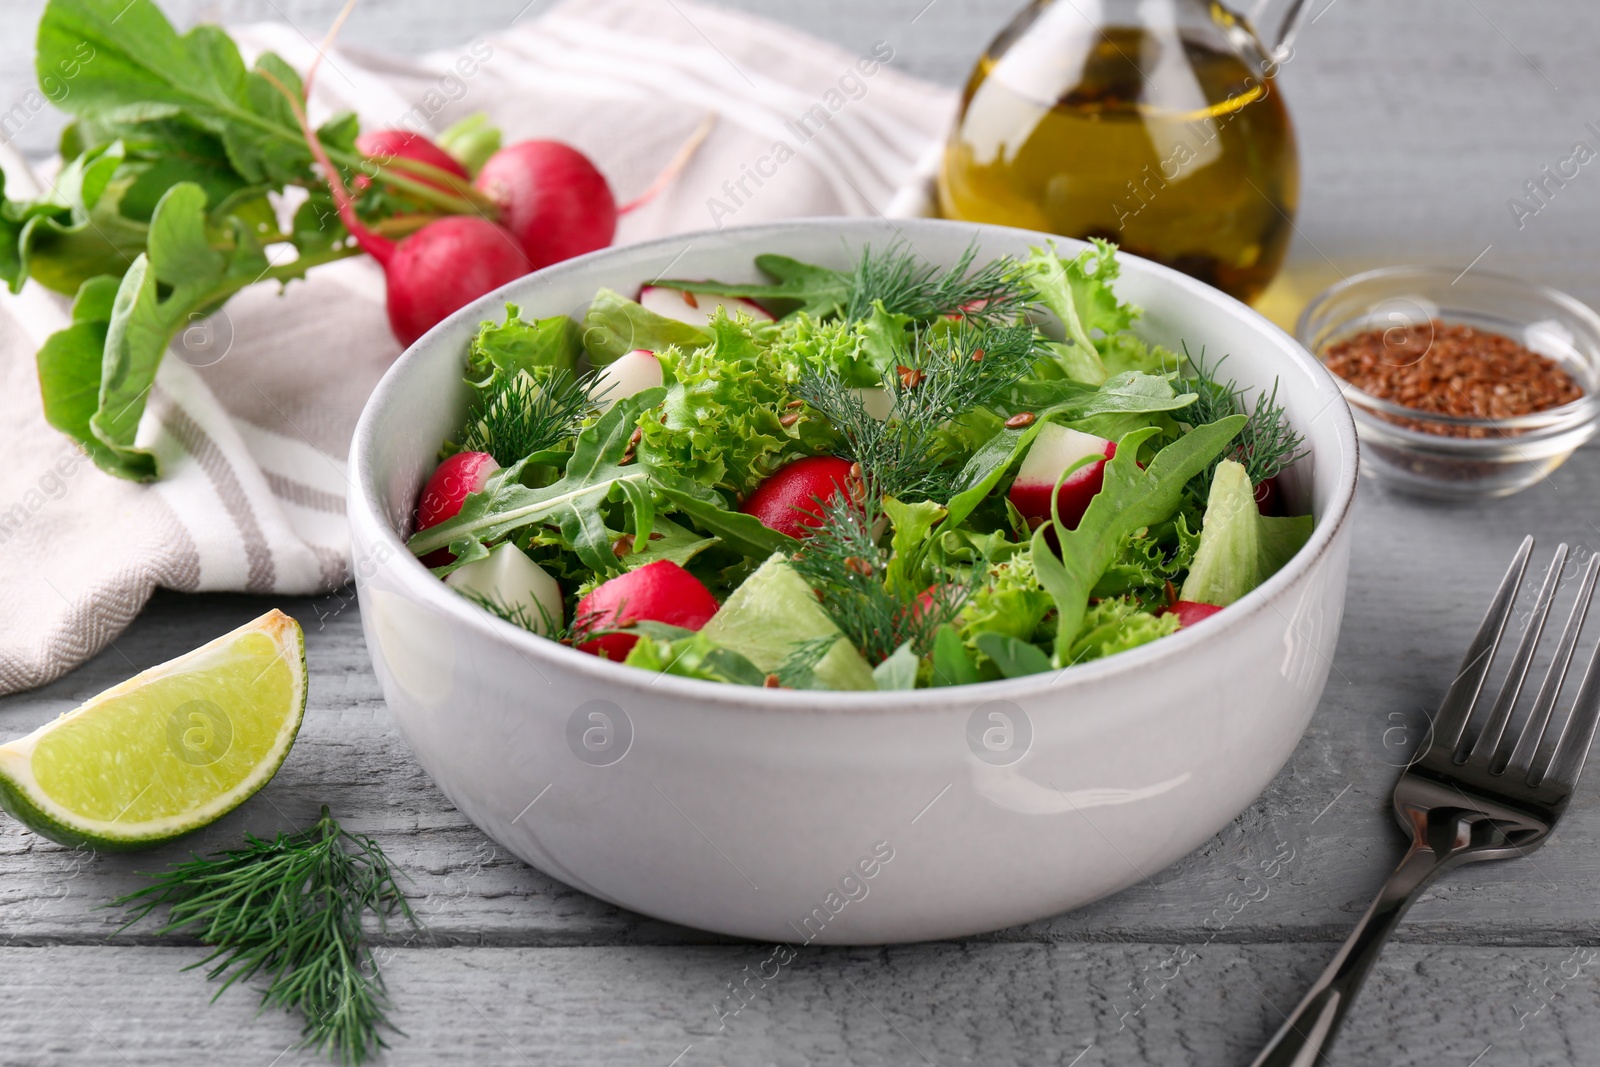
(252, 411)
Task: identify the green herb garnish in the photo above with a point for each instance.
(290, 910)
(521, 416)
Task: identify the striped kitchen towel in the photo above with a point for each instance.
(252, 411)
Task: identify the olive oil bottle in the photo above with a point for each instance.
(1158, 126)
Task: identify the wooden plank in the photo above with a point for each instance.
(1078, 1005)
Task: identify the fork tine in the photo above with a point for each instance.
(1576, 737)
(1538, 724)
(1456, 708)
(1517, 675)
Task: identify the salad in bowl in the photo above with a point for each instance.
(890, 476)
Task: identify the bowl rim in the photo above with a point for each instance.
(417, 581)
(1560, 419)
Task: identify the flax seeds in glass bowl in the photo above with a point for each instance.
(1462, 385)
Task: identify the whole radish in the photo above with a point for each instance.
(381, 146)
(436, 271)
(660, 592)
(552, 198)
(442, 268)
(788, 500)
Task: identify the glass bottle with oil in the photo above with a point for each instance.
(1157, 124)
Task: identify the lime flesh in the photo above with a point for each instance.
(170, 750)
(772, 612)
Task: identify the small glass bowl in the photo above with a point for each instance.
(1463, 457)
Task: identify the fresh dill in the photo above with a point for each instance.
(843, 561)
(290, 910)
(518, 614)
(520, 416)
(989, 295)
(1268, 444)
(948, 374)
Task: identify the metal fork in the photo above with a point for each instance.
(1468, 797)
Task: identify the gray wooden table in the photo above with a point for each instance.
(1418, 122)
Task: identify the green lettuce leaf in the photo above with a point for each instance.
(1239, 547)
(694, 655)
(1116, 625)
(1078, 292)
(615, 326)
(540, 347)
(722, 424)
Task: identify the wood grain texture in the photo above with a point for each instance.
(1028, 1005)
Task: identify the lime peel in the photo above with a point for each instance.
(168, 751)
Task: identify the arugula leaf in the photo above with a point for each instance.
(1014, 658)
(615, 325)
(818, 291)
(667, 541)
(1239, 547)
(743, 533)
(573, 502)
(691, 656)
(951, 664)
(1129, 499)
(1060, 401)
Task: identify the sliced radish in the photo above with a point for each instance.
(697, 309)
(632, 372)
(876, 400)
(508, 577)
(659, 592)
(788, 500)
(1189, 612)
(1269, 497)
(1054, 451)
(447, 489)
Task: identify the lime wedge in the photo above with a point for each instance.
(168, 751)
(772, 611)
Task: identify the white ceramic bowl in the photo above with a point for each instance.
(794, 816)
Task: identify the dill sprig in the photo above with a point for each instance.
(1267, 444)
(520, 416)
(290, 910)
(949, 373)
(843, 561)
(989, 295)
(518, 614)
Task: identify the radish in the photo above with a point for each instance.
(450, 484)
(788, 500)
(436, 271)
(697, 309)
(509, 578)
(1189, 612)
(552, 198)
(383, 146)
(1054, 451)
(659, 592)
(1269, 497)
(632, 372)
(447, 489)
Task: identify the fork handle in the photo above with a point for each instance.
(1307, 1034)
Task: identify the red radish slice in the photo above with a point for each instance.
(697, 309)
(447, 489)
(381, 146)
(1269, 497)
(787, 500)
(1189, 612)
(659, 592)
(1055, 450)
(552, 198)
(632, 372)
(509, 578)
